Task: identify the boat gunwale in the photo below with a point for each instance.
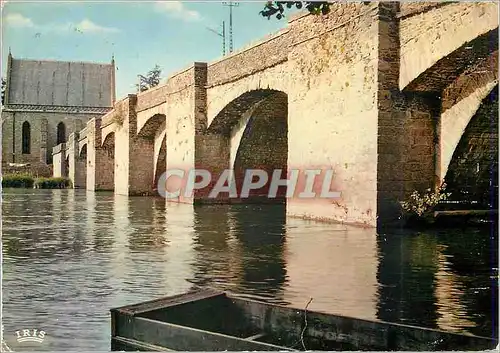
(194, 296)
(165, 302)
(140, 344)
(216, 334)
(396, 324)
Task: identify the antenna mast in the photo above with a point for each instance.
(223, 35)
(230, 4)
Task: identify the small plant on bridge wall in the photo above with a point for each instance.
(421, 206)
(118, 115)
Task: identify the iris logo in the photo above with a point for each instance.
(30, 335)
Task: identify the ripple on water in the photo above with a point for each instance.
(69, 256)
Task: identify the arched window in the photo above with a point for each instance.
(61, 133)
(26, 142)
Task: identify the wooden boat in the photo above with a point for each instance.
(216, 321)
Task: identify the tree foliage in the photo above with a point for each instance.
(151, 79)
(277, 8)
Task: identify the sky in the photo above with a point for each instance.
(140, 34)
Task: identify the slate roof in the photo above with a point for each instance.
(59, 84)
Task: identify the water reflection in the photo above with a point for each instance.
(406, 272)
(241, 248)
(334, 265)
(261, 234)
(444, 279)
(70, 255)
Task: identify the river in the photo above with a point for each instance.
(71, 255)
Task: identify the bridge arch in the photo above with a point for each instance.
(108, 144)
(107, 135)
(151, 126)
(252, 133)
(473, 170)
(229, 116)
(160, 158)
(460, 103)
(82, 153)
(66, 166)
(431, 60)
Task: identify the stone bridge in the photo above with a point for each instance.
(382, 93)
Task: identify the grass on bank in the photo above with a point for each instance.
(28, 181)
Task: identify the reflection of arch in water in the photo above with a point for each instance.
(471, 258)
(406, 278)
(147, 224)
(241, 248)
(211, 240)
(261, 234)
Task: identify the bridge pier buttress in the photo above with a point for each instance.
(77, 166)
(186, 122)
(134, 154)
(59, 160)
(100, 161)
(211, 148)
(407, 127)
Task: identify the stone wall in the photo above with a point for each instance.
(43, 127)
(121, 143)
(181, 124)
(152, 97)
(77, 168)
(433, 35)
(59, 165)
(100, 158)
(328, 90)
(260, 56)
(332, 110)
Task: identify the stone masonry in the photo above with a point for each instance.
(47, 101)
(371, 91)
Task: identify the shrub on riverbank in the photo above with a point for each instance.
(421, 206)
(52, 183)
(26, 181)
(17, 181)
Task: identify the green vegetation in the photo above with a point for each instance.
(277, 8)
(17, 181)
(28, 181)
(52, 183)
(150, 80)
(421, 206)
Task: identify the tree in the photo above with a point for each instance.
(314, 7)
(151, 79)
(278, 7)
(4, 85)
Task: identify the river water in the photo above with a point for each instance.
(71, 255)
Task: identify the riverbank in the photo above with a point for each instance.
(28, 181)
